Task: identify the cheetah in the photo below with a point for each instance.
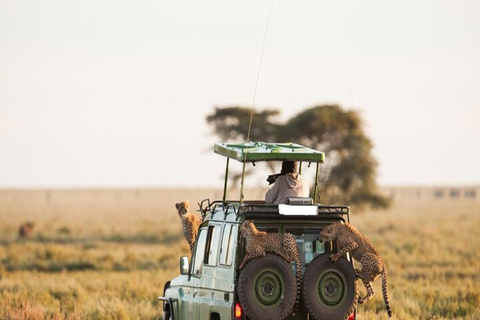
(258, 243)
(190, 222)
(349, 239)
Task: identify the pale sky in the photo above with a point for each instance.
(115, 93)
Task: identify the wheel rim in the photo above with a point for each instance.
(331, 288)
(269, 288)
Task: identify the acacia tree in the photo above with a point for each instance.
(232, 123)
(350, 170)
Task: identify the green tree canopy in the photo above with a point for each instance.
(350, 170)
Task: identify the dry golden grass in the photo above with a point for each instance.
(105, 254)
(432, 254)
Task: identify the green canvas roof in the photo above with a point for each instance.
(263, 151)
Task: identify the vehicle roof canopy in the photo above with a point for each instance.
(263, 151)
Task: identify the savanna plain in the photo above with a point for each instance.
(105, 254)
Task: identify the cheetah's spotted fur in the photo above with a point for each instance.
(190, 222)
(349, 239)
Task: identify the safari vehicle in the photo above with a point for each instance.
(211, 285)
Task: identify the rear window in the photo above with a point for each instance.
(308, 243)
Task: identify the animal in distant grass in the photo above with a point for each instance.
(190, 222)
(258, 243)
(26, 230)
(349, 239)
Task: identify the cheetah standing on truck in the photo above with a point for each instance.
(190, 222)
(261, 242)
(349, 239)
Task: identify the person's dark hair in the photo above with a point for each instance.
(288, 167)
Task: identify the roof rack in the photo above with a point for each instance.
(321, 209)
(257, 208)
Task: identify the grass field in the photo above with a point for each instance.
(105, 254)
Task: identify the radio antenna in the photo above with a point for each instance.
(258, 72)
(253, 103)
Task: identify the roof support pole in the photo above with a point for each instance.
(243, 180)
(315, 190)
(225, 183)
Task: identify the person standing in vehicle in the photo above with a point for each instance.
(289, 183)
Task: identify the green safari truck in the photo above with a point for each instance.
(208, 286)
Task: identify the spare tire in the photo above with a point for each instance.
(329, 288)
(267, 288)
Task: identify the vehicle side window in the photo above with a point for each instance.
(200, 252)
(227, 245)
(213, 240)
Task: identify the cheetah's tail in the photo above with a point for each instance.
(384, 291)
(299, 283)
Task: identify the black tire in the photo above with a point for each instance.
(329, 288)
(267, 288)
(166, 305)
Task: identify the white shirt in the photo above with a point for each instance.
(287, 186)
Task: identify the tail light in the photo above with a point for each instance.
(238, 311)
(351, 316)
